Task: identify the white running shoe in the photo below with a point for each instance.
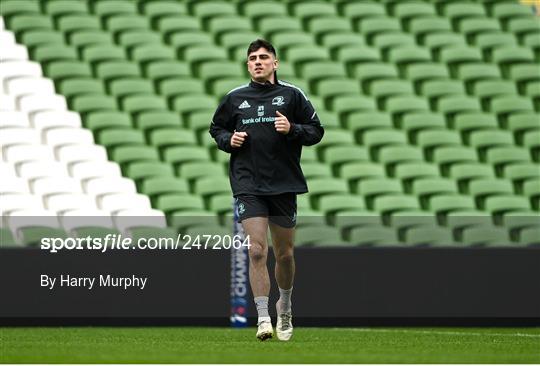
(265, 330)
(284, 328)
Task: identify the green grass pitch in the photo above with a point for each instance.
(309, 345)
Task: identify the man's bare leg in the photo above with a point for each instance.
(256, 228)
(283, 243)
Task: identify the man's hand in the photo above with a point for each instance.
(282, 124)
(238, 138)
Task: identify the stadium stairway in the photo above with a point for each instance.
(431, 110)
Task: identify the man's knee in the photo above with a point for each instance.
(258, 252)
(285, 257)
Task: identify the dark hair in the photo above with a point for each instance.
(255, 45)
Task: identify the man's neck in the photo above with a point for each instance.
(271, 80)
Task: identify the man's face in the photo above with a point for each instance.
(261, 65)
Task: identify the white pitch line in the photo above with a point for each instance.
(441, 332)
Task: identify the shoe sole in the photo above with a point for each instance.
(264, 336)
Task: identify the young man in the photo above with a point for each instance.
(263, 125)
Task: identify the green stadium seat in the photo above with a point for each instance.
(507, 56)
(486, 236)
(390, 204)
(465, 172)
(408, 172)
(428, 187)
(530, 236)
(382, 89)
(531, 140)
(71, 23)
(437, 41)
(130, 154)
(471, 27)
(405, 56)
(521, 171)
(323, 186)
(319, 236)
(471, 121)
(516, 221)
(148, 121)
(413, 123)
(358, 10)
(457, 56)
(485, 139)
(207, 187)
(434, 89)
(371, 26)
(360, 122)
(519, 123)
(59, 8)
(46, 54)
(309, 10)
(184, 39)
(498, 205)
(501, 156)
(491, 88)
(114, 7)
(221, 203)
(98, 53)
(408, 11)
(505, 11)
(123, 87)
(84, 38)
(470, 73)
(370, 189)
(189, 104)
(444, 203)
(270, 25)
(165, 138)
(446, 156)
(22, 23)
(141, 170)
(343, 105)
(172, 23)
(117, 69)
(422, 26)
(505, 105)
(400, 105)
(14, 7)
(7, 239)
(116, 24)
(117, 137)
(355, 171)
(370, 71)
(326, 24)
(159, 70)
(392, 155)
(93, 103)
(147, 53)
(77, 86)
(194, 170)
(387, 41)
(331, 204)
(213, 70)
(259, 9)
(333, 41)
(488, 41)
(225, 24)
(459, 220)
(456, 11)
(140, 103)
(173, 202)
(211, 9)
(31, 236)
(98, 121)
(426, 71)
(429, 236)
(330, 88)
(336, 156)
(173, 87)
(484, 188)
(157, 9)
(316, 170)
(453, 105)
(374, 140)
(374, 236)
(523, 26)
(39, 37)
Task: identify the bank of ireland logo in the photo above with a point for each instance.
(278, 100)
(260, 111)
(241, 208)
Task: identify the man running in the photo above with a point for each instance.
(263, 125)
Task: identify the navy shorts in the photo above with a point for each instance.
(280, 209)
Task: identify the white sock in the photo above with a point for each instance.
(261, 302)
(285, 299)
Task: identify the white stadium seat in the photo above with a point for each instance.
(13, 119)
(107, 185)
(7, 169)
(36, 169)
(2, 25)
(68, 136)
(69, 201)
(28, 152)
(7, 38)
(21, 135)
(75, 153)
(11, 69)
(29, 85)
(92, 169)
(79, 218)
(53, 185)
(47, 119)
(7, 102)
(39, 102)
(19, 201)
(129, 218)
(14, 52)
(121, 201)
(13, 184)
